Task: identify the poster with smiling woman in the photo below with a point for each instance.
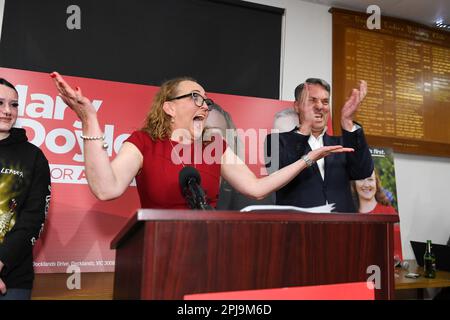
(377, 194)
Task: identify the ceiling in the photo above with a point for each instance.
(422, 11)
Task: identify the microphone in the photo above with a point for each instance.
(189, 180)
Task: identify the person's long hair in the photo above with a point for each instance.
(158, 122)
(233, 141)
(380, 196)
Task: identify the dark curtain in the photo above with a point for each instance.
(230, 47)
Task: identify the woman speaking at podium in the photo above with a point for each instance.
(170, 140)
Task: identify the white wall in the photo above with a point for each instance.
(424, 198)
(2, 5)
(423, 183)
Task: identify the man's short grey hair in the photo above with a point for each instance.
(298, 90)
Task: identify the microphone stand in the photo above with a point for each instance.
(196, 197)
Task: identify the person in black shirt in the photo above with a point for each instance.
(24, 199)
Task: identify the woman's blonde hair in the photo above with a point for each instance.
(157, 122)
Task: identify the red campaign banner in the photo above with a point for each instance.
(79, 227)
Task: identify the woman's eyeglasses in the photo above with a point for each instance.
(197, 97)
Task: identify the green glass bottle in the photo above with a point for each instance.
(429, 262)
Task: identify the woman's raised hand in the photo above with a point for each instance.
(74, 98)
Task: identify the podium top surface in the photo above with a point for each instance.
(161, 215)
(269, 215)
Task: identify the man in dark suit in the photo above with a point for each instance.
(328, 180)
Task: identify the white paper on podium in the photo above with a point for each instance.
(320, 209)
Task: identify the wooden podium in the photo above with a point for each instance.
(165, 254)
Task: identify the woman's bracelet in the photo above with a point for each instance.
(309, 162)
(102, 138)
